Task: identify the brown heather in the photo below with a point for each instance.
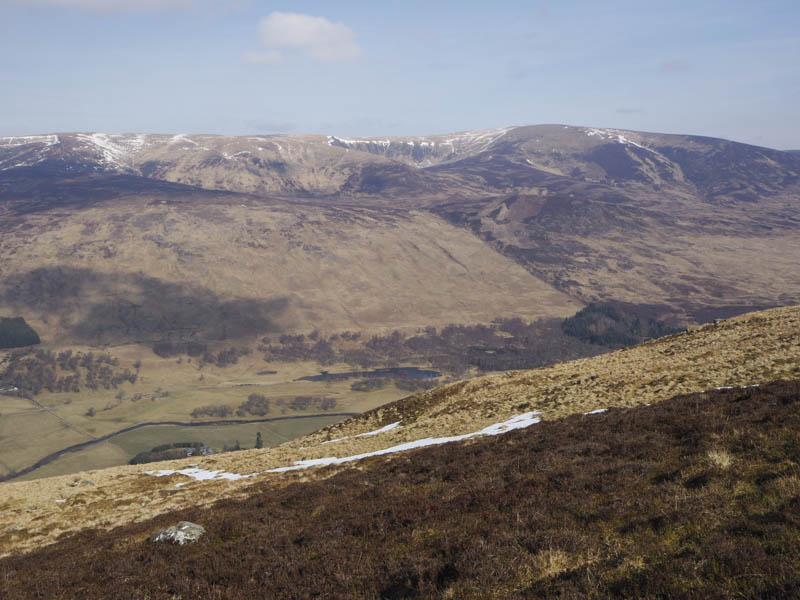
(622, 504)
(751, 349)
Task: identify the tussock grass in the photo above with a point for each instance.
(720, 458)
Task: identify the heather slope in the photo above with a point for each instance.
(746, 350)
(694, 497)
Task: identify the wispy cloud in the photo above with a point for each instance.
(674, 65)
(316, 38)
(630, 111)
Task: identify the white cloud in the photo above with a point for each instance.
(316, 38)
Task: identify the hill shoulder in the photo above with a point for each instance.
(746, 350)
(695, 496)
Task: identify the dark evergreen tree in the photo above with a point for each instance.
(16, 333)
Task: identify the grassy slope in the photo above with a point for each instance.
(694, 497)
(749, 349)
(229, 270)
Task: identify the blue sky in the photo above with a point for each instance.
(721, 68)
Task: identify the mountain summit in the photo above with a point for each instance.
(575, 214)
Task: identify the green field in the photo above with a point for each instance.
(119, 450)
(166, 390)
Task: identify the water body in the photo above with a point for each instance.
(389, 373)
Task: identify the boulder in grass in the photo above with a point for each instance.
(182, 533)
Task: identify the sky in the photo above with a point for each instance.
(723, 68)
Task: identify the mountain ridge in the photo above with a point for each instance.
(597, 214)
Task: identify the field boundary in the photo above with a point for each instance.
(83, 445)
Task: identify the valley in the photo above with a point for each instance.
(171, 277)
(357, 300)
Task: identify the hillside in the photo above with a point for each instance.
(145, 267)
(695, 496)
(599, 214)
(192, 271)
(749, 350)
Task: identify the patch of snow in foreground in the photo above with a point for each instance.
(730, 387)
(515, 422)
(383, 429)
(61, 501)
(596, 411)
(201, 474)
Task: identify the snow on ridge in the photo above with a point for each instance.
(516, 422)
(332, 139)
(181, 137)
(615, 134)
(113, 152)
(474, 140)
(22, 140)
(482, 137)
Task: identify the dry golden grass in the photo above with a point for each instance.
(721, 459)
(746, 350)
(553, 562)
(337, 269)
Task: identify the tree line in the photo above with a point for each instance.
(258, 405)
(33, 371)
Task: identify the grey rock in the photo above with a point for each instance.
(84, 482)
(182, 533)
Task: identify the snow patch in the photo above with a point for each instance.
(515, 422)
(466, 141)
(383, 429)
(113, 153)
(615, 135)
(47, 140)
(596, 411)
(182, 138)
(200, 474)
(730, 387)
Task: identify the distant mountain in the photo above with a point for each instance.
(793, 151)
(307, 223)
(717, 170)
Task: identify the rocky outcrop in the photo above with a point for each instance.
(182, 533)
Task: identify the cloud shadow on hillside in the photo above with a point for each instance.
(133, 307)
